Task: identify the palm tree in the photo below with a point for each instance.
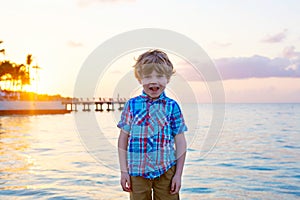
(24, 75)
(15, 75)
(36, 77)
(2, 50)
(28, 62)
(6, 72)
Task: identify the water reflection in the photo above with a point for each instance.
(14, 160)
(42, 157)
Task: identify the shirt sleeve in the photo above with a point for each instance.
(126, 118)
(177, 121)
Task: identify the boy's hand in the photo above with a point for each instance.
(176, 184)
(125, 182)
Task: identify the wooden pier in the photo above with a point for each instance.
(73, 103)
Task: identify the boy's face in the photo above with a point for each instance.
(154, 84)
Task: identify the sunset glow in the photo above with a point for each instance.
(255, 45)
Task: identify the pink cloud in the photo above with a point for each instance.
(289, 52)
(286, 65)
(257, 67)
(278, 37)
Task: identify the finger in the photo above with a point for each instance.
(172, 187)
(177, 189)
(123, 184)
(123, 187)
(128, 187)
(129, 183)
(127, 190)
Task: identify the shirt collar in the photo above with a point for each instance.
(162, 97)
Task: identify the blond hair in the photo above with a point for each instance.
(153, 60)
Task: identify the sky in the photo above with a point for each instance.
(254, 44)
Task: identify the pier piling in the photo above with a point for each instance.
(73, 104)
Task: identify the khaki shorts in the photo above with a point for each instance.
(142, 187)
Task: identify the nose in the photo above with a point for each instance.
(154, 79)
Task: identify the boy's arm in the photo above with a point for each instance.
(122, 150)
(180, 144)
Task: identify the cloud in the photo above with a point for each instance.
(293, 56)
(278, 37)
(74, 44)
(289, 52)
(285, 65)
(258, 67)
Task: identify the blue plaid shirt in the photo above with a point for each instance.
(152, 126)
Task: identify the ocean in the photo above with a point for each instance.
(254, 153)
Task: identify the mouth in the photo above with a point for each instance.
(154, 88)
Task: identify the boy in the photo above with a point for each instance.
(151, 124)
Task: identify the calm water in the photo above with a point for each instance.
(257, 156)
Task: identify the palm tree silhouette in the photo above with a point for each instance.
(28, 62)
(16, 75)
(6, 72)
(2, 50)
